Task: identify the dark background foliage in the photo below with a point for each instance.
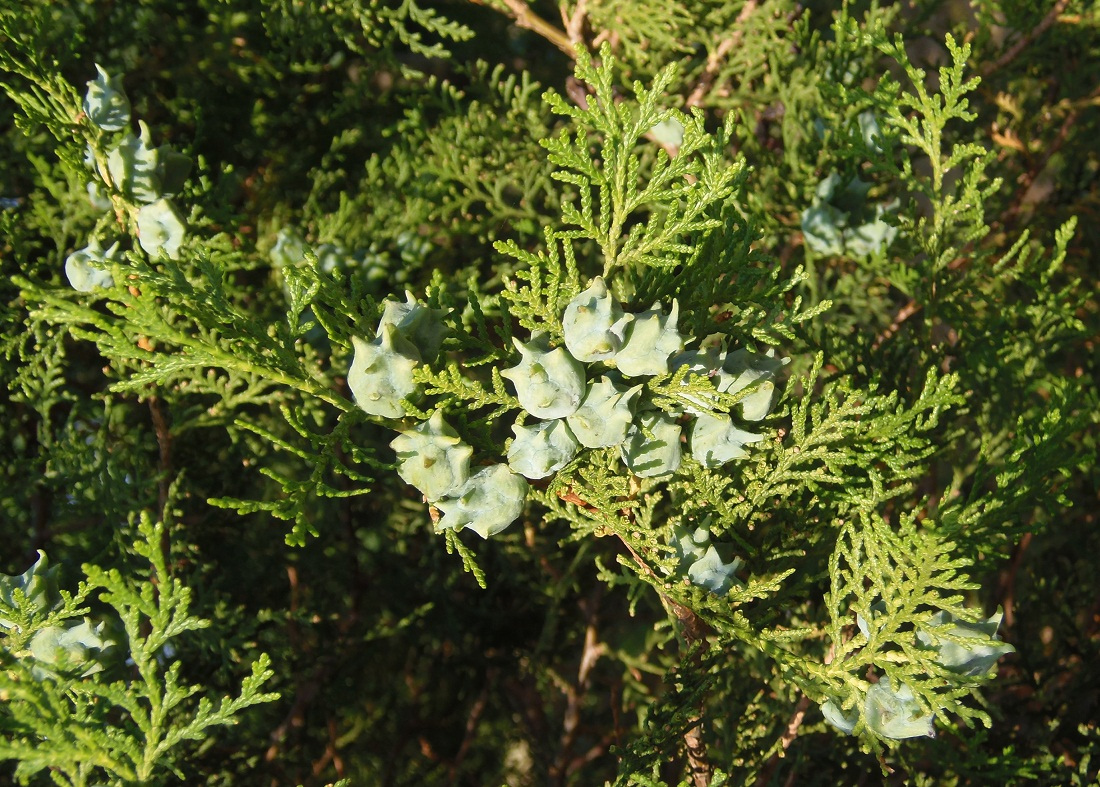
(350, 123)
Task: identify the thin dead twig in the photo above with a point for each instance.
(715, 58)
(1028, 37)
(524, 17)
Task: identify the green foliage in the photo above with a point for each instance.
(757, 350)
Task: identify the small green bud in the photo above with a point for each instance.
(651, 338)
(433, 457)
(650, 457)
(978, 650)
(105, 103)
(542, 449)
(160, 227)
(381, 373)
(549, 383)
(744, 368)
(421, 325)
(716, 441)
(594, 324)
(39, 586)
(896, 714)
(487, 503)
(86, 268)
(604, 415)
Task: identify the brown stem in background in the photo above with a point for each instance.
(574, 694)
(472, 721)
(1028, 178)
(574, 23)
(1008, 582)
(693, 630)
(906, 311)
(715, 58)
(164, 444)
(1026, 39)
(524, 17)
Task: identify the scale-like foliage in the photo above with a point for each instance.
(748, 350)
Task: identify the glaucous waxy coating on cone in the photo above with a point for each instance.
(711, 573)
(548, 383)
(651, 339)
(105, 103)
(594, 324)
(433, 457)
(421, 325)
(896, 714)
(541, 449)
(487, 503)
(604, 415)
(845, 722)
(980, 649)
(73, 648)
(701, 364)
(38, 584)
(650, 457)
(743, 368)
(160, 228)
(87, 268)
(381, 373)
(134, 166)
(715, 440)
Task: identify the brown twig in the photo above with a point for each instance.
(906, 311)
(472, 721)
(1008, 582)
(592, 650)
(524, 17)
(574, 23)
(1026, 39)
(715, 58)
(1028, 178)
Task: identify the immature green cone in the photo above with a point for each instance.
(716, 441)
(134, 166)
(651, 339)
(75, 648)
(381, 373)
(896, 714)
(433, 457)
(604, 415)
(487, 503)
(549, 383)
(160, 228)
(542, 449)
(594, 324)
(845, 722)
(651, 457)
(421, 325)
(105, 103)
(712, 573)
(979, 650)
(743, 368)
(39, 586)
(87, 268)
(701, 364)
